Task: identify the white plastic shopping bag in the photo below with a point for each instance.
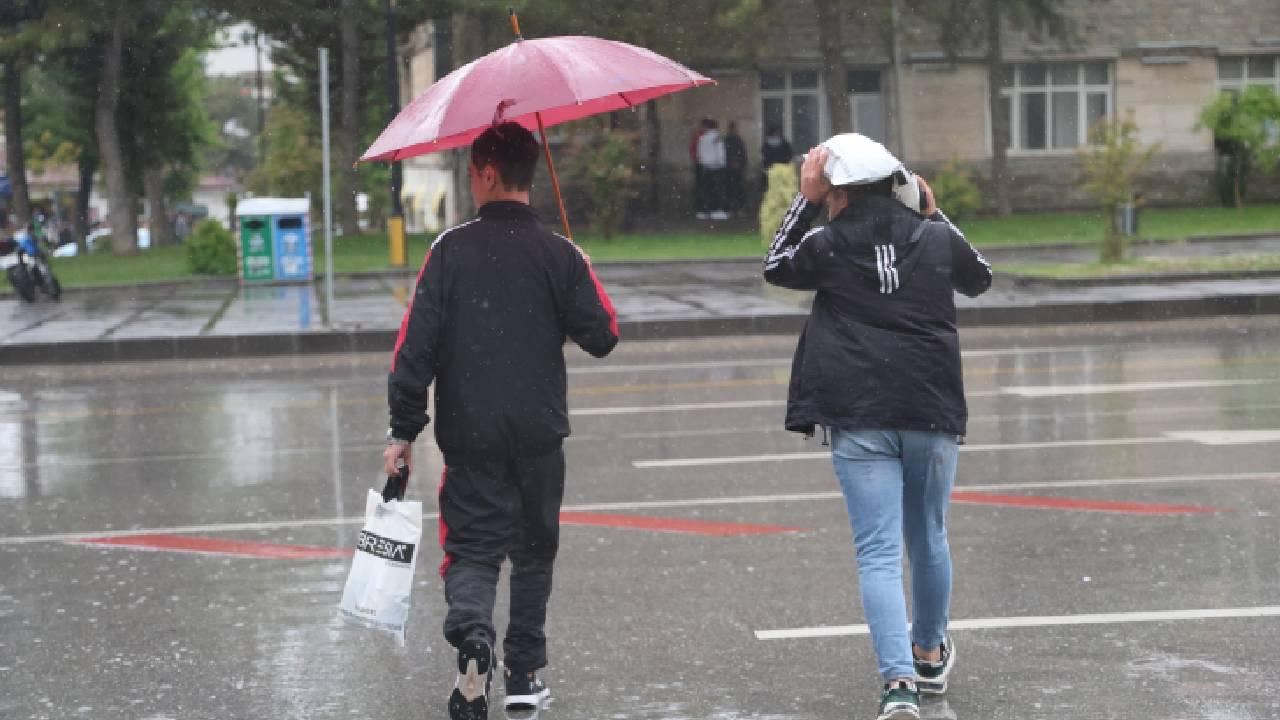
(377, 592)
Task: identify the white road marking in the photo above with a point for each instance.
(639, 505)
(1039, 621)
(681, 407)
(788, 457)
(1227, 437)
(1041, 391)
(606, 369)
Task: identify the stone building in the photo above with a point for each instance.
(1162, 61)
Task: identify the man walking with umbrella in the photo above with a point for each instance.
(496, 298)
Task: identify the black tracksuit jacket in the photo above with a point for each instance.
(880, 349)
(495, 300)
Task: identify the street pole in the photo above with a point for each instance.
(262, 121)
(399, 254)
(328, 200)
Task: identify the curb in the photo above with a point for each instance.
(355, 341)
(1022, 280)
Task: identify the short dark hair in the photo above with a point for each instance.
(511, 150)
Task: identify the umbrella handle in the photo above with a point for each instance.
(555, 181)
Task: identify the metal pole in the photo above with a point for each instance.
(262, 122)
(328, 199)
(395, 224)
(899, 111)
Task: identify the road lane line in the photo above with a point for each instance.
(605, 369)
(646, 505)
(1040, 502)
(164, 542)
(679, 407)
(789, 457)
(999, 623)
(1227, 437)
(1043, 391)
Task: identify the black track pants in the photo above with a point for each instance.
(492, 509)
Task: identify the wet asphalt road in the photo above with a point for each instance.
(1121, 489)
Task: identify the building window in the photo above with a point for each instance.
(1236, 72)
(1051, 106)
(866, 103)
(792, 100)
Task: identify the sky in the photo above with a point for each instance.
(234, 57)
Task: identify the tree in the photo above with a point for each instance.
(356, 29)
(349, 123)
(162, 104)
(831, 42)
(1112, 164)
(292, 164)
(13, 139)
(16, 50)
(1246, 125)
(981, 23)
(122, 213)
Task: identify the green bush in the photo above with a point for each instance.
(607, 166)
(783, 186)
(955, 192)
(210, 250)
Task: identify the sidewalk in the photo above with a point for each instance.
(654, 300)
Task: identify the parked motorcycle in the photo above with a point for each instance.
(27, 267)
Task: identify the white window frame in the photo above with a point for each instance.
(1246, 61)
(1082, 90)
(878, 96)
(785, 94)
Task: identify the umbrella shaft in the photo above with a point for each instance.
(555, 181)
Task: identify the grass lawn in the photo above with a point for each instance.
(369, 252)
(1147, 266)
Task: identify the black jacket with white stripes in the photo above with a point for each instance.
(495, 300)
(880, 349)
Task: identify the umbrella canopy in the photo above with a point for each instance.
(552, 80)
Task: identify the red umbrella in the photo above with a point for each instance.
(537, 83)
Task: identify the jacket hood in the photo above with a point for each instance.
(884, 238)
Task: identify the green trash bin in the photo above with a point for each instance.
(257, 262)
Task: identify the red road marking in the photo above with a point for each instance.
(696, 527)
(1056, 503)
(216, 546)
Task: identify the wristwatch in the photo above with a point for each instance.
(393, 440)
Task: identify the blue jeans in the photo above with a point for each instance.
(898, 484)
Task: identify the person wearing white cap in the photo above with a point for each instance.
(878, 366)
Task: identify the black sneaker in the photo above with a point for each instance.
(470, 697)
(900, 701)
(931, 677)
(525, 691)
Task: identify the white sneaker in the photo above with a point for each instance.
(704, 216)
(719, 215)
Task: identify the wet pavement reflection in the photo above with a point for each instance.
(1116, 537)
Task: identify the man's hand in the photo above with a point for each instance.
(396, 451)
(928, 205)
(813, 184)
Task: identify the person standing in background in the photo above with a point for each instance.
(735, 155)
(711, 165)
(775, 150)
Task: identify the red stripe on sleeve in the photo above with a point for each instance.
(605, 301)
(404, 323)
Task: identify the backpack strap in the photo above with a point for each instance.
(919, 231)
